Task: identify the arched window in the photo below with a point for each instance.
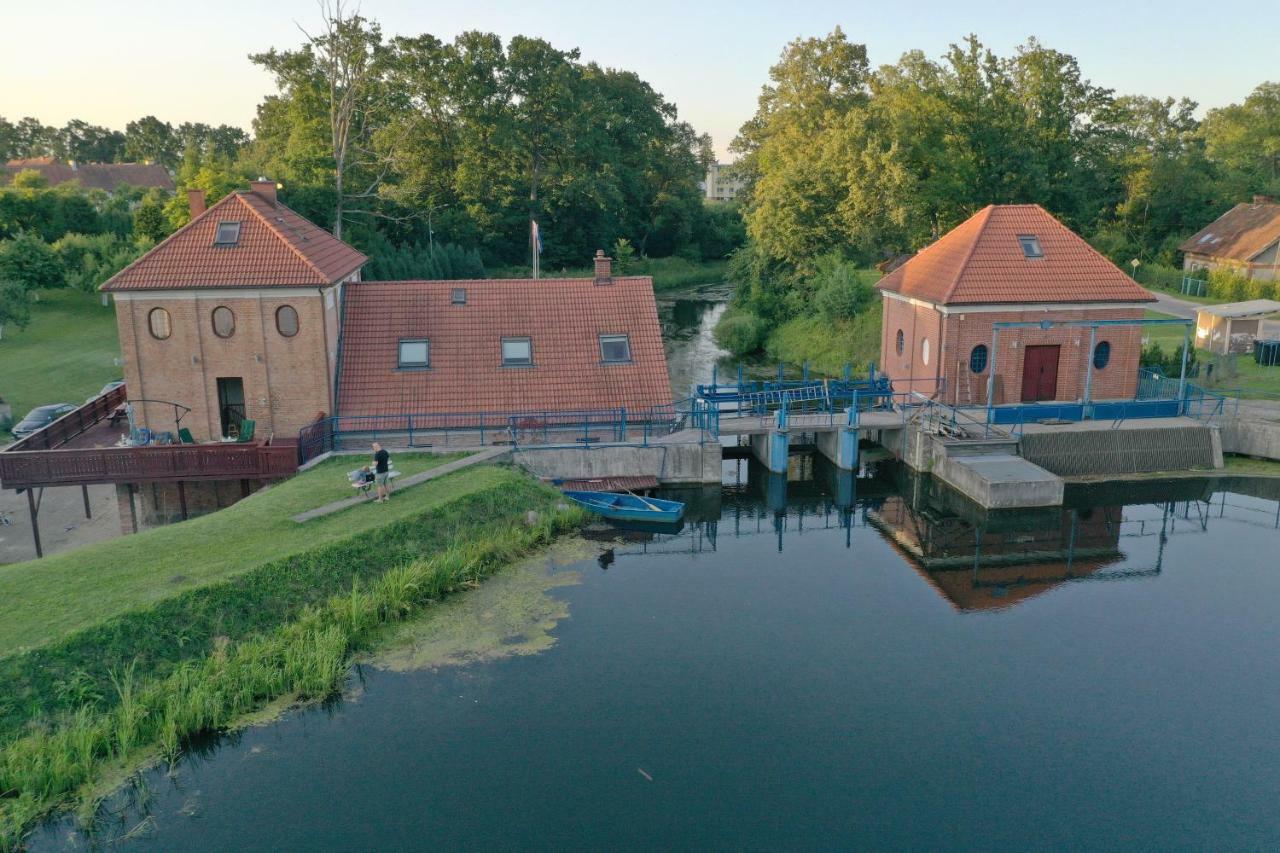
(158, 323)
(1101, 355)
(978, 358)
(287, 321)
(224, 322)
(924, 351)
(901, 342)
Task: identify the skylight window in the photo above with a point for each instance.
(228, 234)
(414, 353)
(615, 349)
(459, 296)
(517, 352)
(1031, 245)
(1206, 238)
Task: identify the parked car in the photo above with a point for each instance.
(39, 417)
(113, 384)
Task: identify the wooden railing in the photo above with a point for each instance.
(72, 424)
(23, 468)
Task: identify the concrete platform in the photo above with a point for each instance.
(1001, 481)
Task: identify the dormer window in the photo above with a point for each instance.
(228, 234)
(1031, 245)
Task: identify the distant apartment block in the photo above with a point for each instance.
(722, 183)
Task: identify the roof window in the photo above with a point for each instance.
(414, 352)
(1206, 238)
(228, 234)
(1031, 245)
(459, 296)
(517, 352)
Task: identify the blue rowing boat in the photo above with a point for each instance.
(628, 507)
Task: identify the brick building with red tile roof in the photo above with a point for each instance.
(91, 176)
(252, 312)
(1010, 263)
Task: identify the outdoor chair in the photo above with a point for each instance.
(246, 430)
(184, 435)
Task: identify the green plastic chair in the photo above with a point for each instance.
(184, 435)
(246, 430)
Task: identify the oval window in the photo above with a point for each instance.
(978, 358)
(924, 350)
(224, 322)
(287, 321)
(1101, 355)
(901, 342)
(158, 323)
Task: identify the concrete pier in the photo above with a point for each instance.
(772, 448)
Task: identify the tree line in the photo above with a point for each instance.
(864, 163)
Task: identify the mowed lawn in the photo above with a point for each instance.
(42, 600)
(66, 354)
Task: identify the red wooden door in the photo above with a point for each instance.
(1040, 373)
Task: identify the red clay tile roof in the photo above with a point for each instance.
(1239, 234)
(562, 316)
(92, 176)
(981, 261)
(277, 248)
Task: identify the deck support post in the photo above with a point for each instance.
(244, 488)
(35, 520)
(133, 507)
(182, 498)
(84, 491)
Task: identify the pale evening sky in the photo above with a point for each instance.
(110, 62)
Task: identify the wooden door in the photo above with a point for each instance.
(1040, 373)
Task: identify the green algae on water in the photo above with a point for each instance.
(511, 613)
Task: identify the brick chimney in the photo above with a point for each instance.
(264, 188)
(195, 202)
(604, 268)
(1263, 199)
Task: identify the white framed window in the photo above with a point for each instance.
(415, 352)
(615, 349)
(228, 234)
(517, 352)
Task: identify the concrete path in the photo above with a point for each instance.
(1167, 304)
(487, 455)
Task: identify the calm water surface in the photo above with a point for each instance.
(814, 663)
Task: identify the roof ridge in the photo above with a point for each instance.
(968, 256)
(190, 223)
(271, 226)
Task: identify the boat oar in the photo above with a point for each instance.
(643, 501)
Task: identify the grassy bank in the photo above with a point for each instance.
(104, 698)
(67, 352)
(828, 345)
(668, 273)
(43, 600)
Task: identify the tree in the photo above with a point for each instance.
(31, 262)
(15, 305)
(1244, 141)
(81, 142)
(149, 140)
(149, 222)
(339, 67)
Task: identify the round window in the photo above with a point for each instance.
(978, 358)
(287, 321)
(224, 322)
(158, 323)
(924, 350)
(901, 342)
(1101, 355)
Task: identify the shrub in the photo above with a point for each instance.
(741, 332)
(841, 292)
(433, 262)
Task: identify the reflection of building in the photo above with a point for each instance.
(723, 182)
(1006, 558)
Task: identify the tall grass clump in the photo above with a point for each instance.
(306, 657)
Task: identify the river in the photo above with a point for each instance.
(814, 662)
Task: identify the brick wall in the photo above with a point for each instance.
(953, 338)
(287, 380)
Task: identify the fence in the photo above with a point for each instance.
(1194, 286)
(516, 428)
(82, 466)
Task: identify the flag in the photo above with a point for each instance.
(537, 236)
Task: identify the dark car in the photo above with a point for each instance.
(40, 416)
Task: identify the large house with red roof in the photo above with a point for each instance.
(1011, 263)
(252, 312)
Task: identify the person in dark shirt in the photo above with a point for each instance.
(381, 472)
